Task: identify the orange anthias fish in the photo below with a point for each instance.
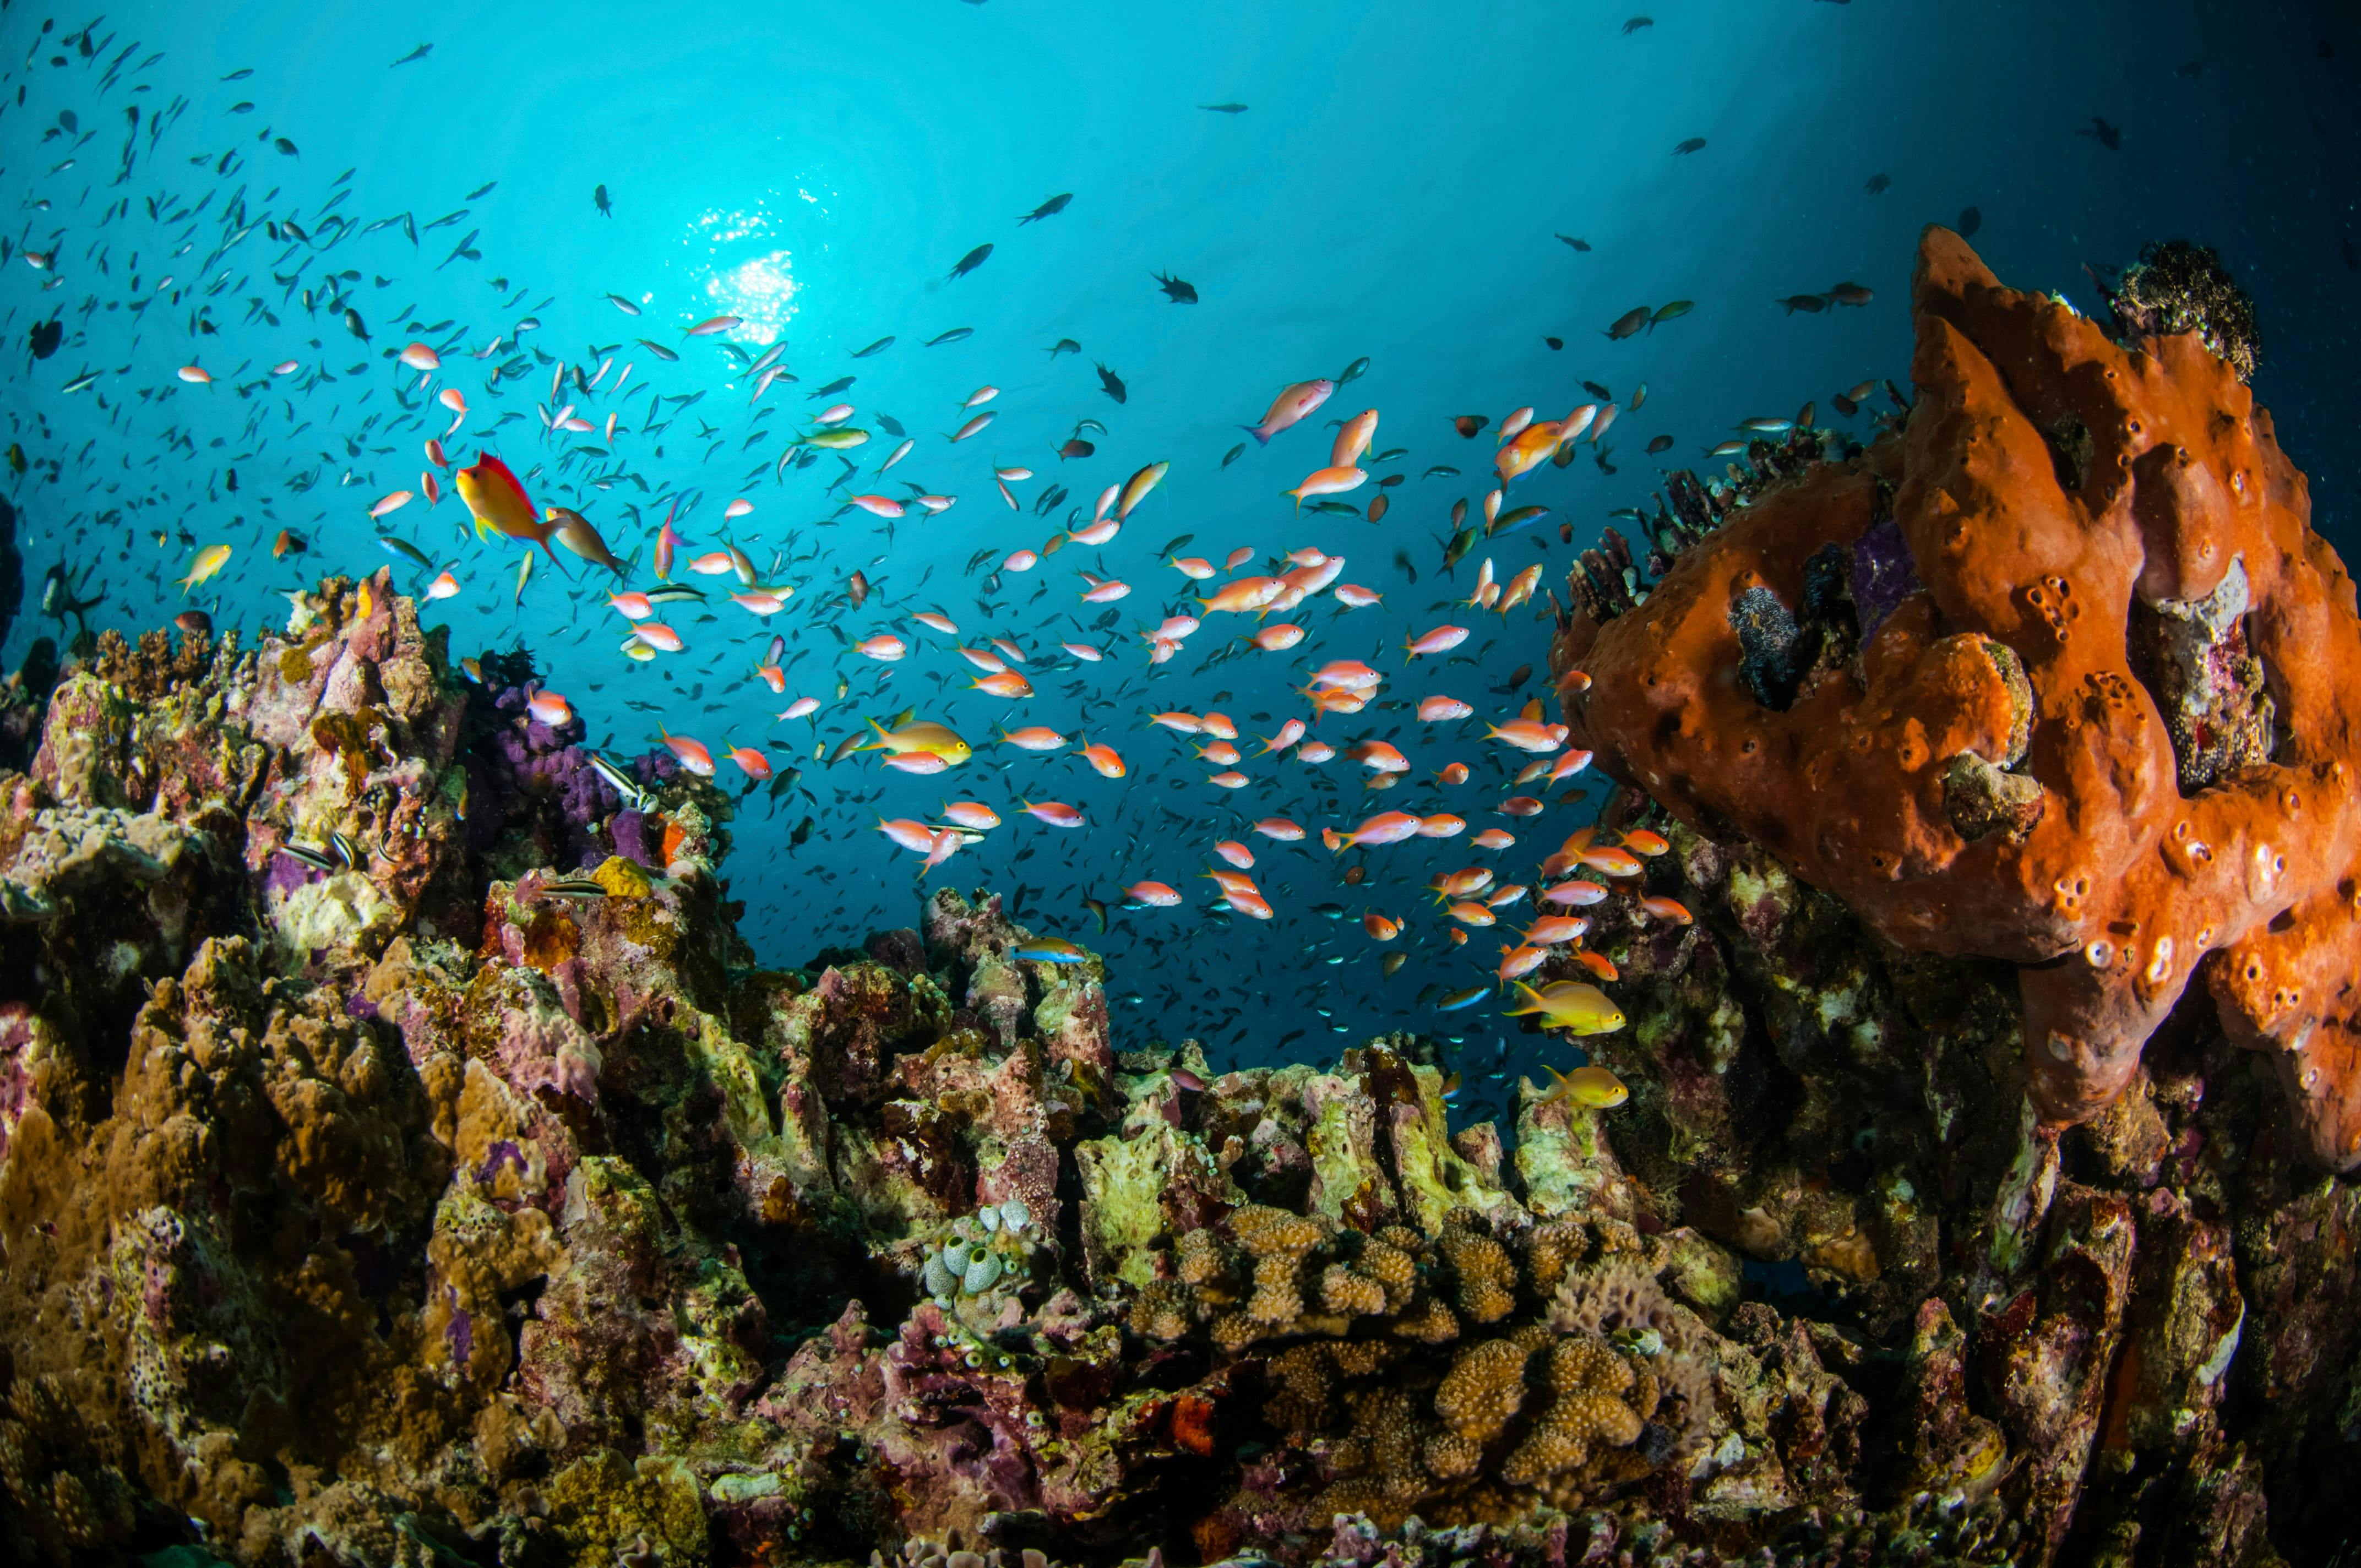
(496, 499)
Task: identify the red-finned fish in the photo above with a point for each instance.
(1291, 406)
(496, 499)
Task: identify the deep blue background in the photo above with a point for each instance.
(1393, 190)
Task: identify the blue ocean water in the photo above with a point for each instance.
(1401, 185)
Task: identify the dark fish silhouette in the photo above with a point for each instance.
(838, 385)
(286, 147)
(1970, 220)
(1596, 390)
(1064, 346)
(1048, 209)
(480, 192)
(1693, 144)
(1577, 243)
(971, 260)
(1224, 108)
(45, 335)
(1554, 342)
(1470, 425)
(1660, 444)
(2352, 257)
(421, 53)
(2189, 69)
(1111, 384)
(1877, 182)
(1810, 302)
(1636, 23)
(1851, 294)
(1630, 322)
(1175, 290)
(606, 208)
(880, 346)
(2106, 136)
(1232, 455)
(955, 334)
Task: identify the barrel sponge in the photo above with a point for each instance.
(2080, 699)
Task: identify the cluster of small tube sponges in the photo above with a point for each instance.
(991, 1249)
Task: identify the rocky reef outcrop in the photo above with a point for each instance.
(402, 1160)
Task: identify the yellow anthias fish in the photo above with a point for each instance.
(1569, 1004)
(926, 738)
(209, 561)
(496, 499)
(1591, 1086)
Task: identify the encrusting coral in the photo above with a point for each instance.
(2097, 723)
(366, 1200)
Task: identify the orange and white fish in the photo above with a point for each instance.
(550, 708)
(1104, 590)
(1218, 725)
(1641, 841)
(694, 757)
(1468, 913)
(761, 601)
(1494, 838)
(195, 375)
(1442, 824)
(1238, 854)
(1670, 909)
(1555, 930)
(974, 426)
(1379, 757)
(1289, 734)
(1452, 774)
(1521, 805)
(1007, 684)
(444, 586)
(1442, 709)
(1516, 962)
(1233, 884)
(1056, 812)
(1441, 640)
(972, 815)
(1314, 751)
(1098, 532)
(1020, 561)
(1154, 894)
(981, 396)
(1238, 557)
(1034, 738)
(1244, 595)
(1105, 760)
(1292, 404)
(1386, 827)
(884, 646)
(1347, 675)
(914, 837)
(1194, 569)
(1083, 651)
(1185, 723)
(420, 356)
(879, 506)
(800, 707)
(1527, 735)
(1229, 780)
(1379, 925)
(713, 325)
(1575, 894)
(751, 763)
(936, 620)
(1352, 596)
(391, 502)
(1328, 482)
(1280, 828)
(1353, 440)
(1221, 753)
(657, 635)
(1278, 638)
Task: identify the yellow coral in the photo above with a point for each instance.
(1163, 1311)
(1480, 1395)
(1431, 1324)
(1588, 1376)
(1276, 1299)
(1350, 1293)
(1451, 1457)
(1266, 1231)
(1487, 1277)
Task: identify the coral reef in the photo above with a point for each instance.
(2102, 736)
(371, 1195)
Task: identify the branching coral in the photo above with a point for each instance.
(2106, 733)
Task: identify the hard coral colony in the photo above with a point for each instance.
(401, 1158)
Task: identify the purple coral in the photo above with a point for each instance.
(1883, 575)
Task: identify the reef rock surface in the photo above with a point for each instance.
(403, 1160)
